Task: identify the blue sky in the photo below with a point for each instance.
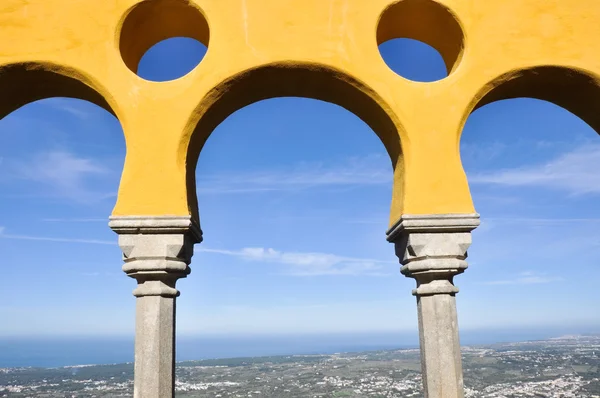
(295, 238)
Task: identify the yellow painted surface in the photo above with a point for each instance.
(324, 49)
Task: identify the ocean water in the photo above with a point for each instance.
(55, 352)
(68, 351)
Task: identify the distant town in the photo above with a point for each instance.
(565, 367)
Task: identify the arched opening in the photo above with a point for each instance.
(61, 164)
(292, 79)
(294, 195)
(29, 82)
(572, 89)
(530, 152)
(420, 40)
(280, 182)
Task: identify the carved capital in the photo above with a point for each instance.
(433, 249)
(157, 251)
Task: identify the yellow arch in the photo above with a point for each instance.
(23, 83)
(286, 79)
(575, 89)
(493, 49)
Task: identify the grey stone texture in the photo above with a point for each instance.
(157, 252)
(433, 249)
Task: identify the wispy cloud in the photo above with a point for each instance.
(72, 106)
(476, 152)
(381, 220)
(76, 220)
(541, 221)
(90, 274)
(370, 170)
(55, 239)
(527, 278)
(574, 172)
(100, 274)
(298, 263)
(309, 264)
(62, 172)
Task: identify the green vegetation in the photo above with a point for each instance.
(566, 367)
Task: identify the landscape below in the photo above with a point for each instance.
(561, 367)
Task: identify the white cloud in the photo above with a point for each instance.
(575, 225)
(543, 221)
(370, 170)
(73, 106)
(574, 172)
(55, 239)
(477, 152)
(90, 274)
(527, 278)
(101, 274)
(60, 167)
(376, 220)
(76, 220)
(64, 173)
(309, 264)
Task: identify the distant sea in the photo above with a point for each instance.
(63, 351)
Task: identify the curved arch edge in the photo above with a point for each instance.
(292, 79)
(574, 89)
(22, 83)
(45, 80)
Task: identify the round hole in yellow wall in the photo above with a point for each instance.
(425, 21)
(157, 21)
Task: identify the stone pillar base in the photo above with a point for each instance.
(157, 252)
(432, 249)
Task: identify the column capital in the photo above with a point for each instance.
(157, 251)
(433, 248)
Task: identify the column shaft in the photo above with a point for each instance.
(157, 252)
(432, 249)
(154, 347)
(441, 363)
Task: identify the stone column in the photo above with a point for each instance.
(157, 252)
(432, 249)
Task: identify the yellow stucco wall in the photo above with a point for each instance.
(325, 49)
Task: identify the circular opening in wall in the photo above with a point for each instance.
(163, 40)
(413, 60)
(421, 40)
(171, 59)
